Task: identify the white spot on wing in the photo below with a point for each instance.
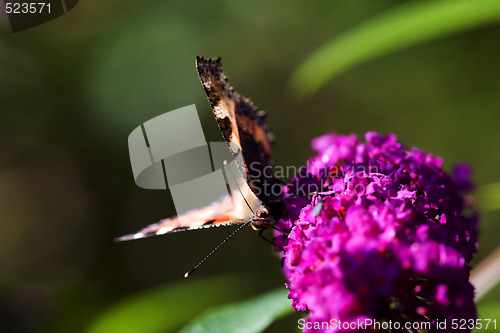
(163, 230)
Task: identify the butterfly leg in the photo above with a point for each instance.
(279, 230)
(269, 241)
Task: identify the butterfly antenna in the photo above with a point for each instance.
(239, 189)
(232, 234)
(216, 248)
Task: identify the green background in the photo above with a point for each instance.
(72, 90)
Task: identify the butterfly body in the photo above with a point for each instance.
(262, 219)
(257, 197)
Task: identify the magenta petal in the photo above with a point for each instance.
(390, 240)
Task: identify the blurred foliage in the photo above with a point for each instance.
(251, 316)
(74, 88)
(489, 308)
(166, 308)
(489, 197)
(403, 26)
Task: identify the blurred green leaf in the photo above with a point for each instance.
(167, 308)
(406, 25)
(488, 197)
(488, 306)
(246, 317)
(489, 311)
(134, 74)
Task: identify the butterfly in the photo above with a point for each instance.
(256, 198)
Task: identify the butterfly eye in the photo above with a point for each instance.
(263, 213)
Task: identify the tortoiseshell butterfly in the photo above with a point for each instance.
(256, 200)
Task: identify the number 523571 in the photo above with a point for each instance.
(27, 7)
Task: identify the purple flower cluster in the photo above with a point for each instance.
(388, 237)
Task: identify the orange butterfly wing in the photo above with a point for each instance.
(220, 213)
(243, 126)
